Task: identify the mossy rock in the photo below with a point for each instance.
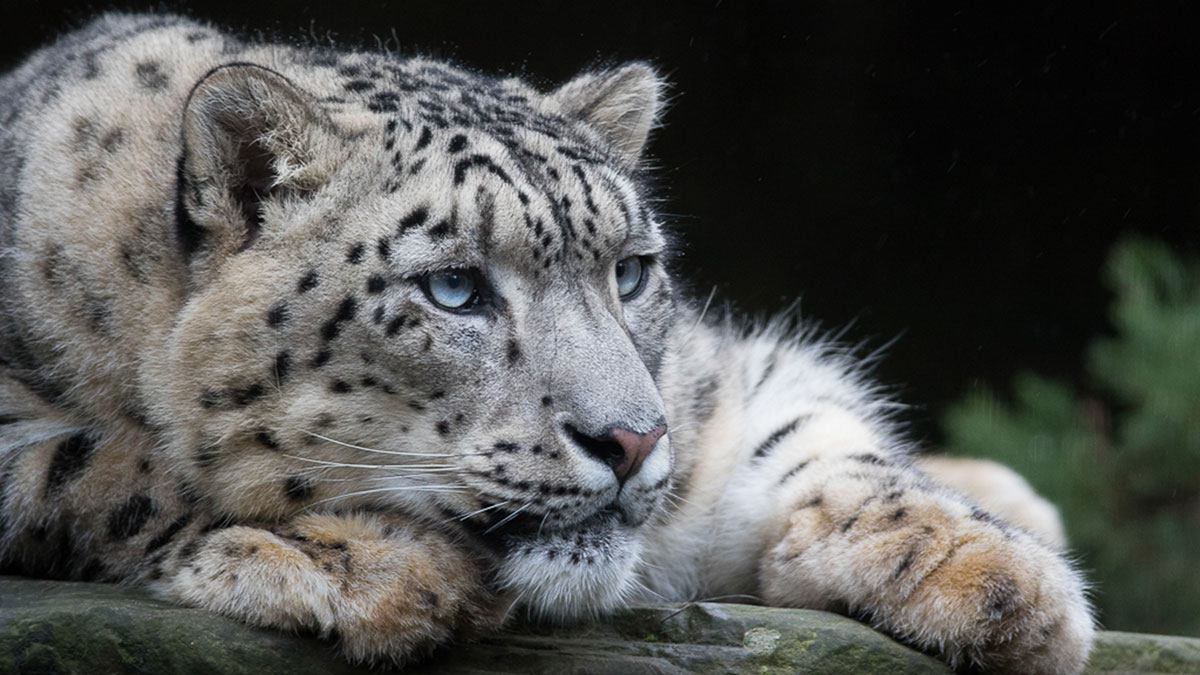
(56, 627)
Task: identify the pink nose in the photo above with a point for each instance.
(637, 448)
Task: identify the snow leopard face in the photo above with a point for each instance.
(419, 289)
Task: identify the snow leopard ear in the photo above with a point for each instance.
(621, 103)
(249, 136)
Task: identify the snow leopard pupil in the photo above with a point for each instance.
(452, 289)
(630, 275)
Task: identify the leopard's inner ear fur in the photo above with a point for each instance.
(249, 137)
(622, 104)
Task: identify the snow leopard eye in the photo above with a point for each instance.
(631, 276)
(453, 289)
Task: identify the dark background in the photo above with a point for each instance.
(941, 173)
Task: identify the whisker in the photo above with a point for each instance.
(722, 598)
(382, 452)
(508, 518)
(362, 479)
(703, 311)
(396, 488)
(543, 523)
(416, 468)
(478, 511)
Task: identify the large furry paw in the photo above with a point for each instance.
(923, 565)
(389, 594)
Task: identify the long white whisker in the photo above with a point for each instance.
(703, 311)
(508, 518)
(416, 468)
(397, 488)
(479, 511)
(381, 452)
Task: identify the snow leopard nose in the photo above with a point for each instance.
(621, 449)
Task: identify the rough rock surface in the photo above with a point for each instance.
(55, 627)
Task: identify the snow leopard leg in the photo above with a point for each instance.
(390, 591)
(860, 530)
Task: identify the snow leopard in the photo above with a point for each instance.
(385, 349)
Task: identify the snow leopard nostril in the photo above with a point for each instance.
(621, 449)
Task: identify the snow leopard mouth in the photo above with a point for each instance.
(513, 531)
(571, 573)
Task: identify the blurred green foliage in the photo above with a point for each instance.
(1122, 461)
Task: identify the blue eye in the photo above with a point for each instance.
(631, 276)
(452, 289)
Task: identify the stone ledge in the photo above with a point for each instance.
(58, 627)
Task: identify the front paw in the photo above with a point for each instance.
(995, 598)
(390, 594)
(932, 571)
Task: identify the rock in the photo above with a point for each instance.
(58, 627)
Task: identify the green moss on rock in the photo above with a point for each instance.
(54, 627)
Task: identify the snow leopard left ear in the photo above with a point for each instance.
(621, 103)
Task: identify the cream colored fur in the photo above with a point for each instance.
(227, 374)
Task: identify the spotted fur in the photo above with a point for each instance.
(224, 374)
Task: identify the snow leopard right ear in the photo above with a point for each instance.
(622, 104)
(250, 137)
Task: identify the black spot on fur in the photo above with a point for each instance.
(870, 458)
(904, 564)
(129, 519)
(483, 161)
(547, 401)
(131, 260)
(340, 387)
(513, 353)
(429, 598)
(376, 284)
(423, 141)
(297, 488)
(778, 435)
(442, 230)
(189, 551)
(321, 358)
(443, 427)
(151, 76)
(346, 312)
(247, 395)
(283, 365)
(414, 219)
(457, 143)
(112, 141)
(207, 455)
(70, 457)
(308, 282)
(355, 255)
(506, 446)
(384, 247)
(395, 325)
(793, 471)
(163, 538)
(277, 315)
(384, 101)
(266, 439)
